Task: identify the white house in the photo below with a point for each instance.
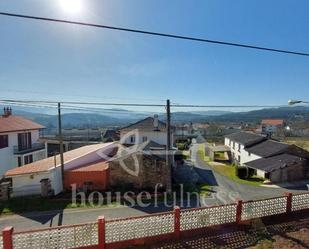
(150, 128)
(26, 180)
(19, 141)
(268, 158)
(238, 142)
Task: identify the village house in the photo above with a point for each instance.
(150, 128)
(269, 159)
(19, 141)
(30, 179)
(94, 167)
(270, 126)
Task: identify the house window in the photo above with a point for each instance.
(28, 159)
(239, 147)
(19, 159)
(24, 141)
(233, 145)
(132, 139)
(145, 139)
(249, 153)
(238, 158)
(230, 143)
(4, 141)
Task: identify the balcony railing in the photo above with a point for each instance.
(34, 147)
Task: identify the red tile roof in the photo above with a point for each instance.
(273, 121)
(17, 123)
(95, 166)
(49, 163)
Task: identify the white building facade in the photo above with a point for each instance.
(238, 146)
(147, 129)
(19, 142)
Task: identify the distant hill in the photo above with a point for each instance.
(286, 113)
(120, 117)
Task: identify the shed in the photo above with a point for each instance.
(91, 176)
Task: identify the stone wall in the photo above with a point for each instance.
(289, 174)
(150, 170)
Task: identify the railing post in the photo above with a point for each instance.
(101, 232)
(177, 221)
(7, 237)
(288, 203)
(239, 211)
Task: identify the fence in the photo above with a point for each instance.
(119, 233)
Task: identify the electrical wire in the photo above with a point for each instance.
(144, 32)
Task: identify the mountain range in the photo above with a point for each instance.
(120, 117)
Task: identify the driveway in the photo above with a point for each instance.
(227, 191)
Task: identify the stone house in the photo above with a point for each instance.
(141, 168)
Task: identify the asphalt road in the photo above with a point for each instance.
(47, 219)
(227, 191)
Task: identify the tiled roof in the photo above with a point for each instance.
(145, 125)
(49, 163)
(274, 163)
(246, 138)
(17, 123)
(268, 148)
(272, 121)
(95, 166)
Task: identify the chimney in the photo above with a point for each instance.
(156, 122)
(7, 111)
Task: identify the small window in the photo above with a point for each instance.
(145, 139)
(132, 139)
(238, 147)
(19, 159)
(238, 158)
(234, 145)
(4, 141)
(249, 153)
(28, 159)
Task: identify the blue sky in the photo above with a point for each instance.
(42, 60)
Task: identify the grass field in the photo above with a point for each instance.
(299, 141)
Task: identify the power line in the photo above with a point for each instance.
(157, 34)
(137, 104)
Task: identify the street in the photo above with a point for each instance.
(224, 191)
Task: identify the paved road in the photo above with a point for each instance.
(35, 220)
(227, 191)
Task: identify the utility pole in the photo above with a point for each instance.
(168, 147)
(60, 143)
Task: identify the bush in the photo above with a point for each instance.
(241, 172)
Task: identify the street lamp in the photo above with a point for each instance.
(293, 102)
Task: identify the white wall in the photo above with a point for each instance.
(28, 184)
(236, 152)
(7, 158)
(159, 137)
(260, 173)
(247, 157)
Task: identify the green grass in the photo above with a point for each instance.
(201, 153)
(298, 141)
(31, 204)
(227, 170)
(204, 190)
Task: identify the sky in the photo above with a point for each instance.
(61, 62)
